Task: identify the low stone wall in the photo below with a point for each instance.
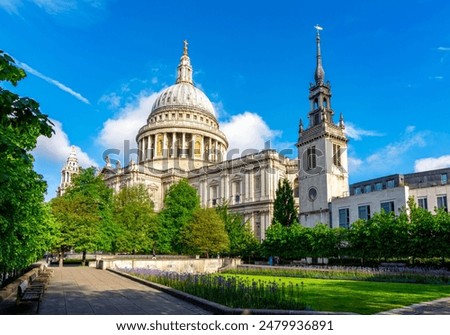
(201, 265)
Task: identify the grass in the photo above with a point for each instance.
(362, 297)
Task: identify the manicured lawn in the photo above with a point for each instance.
(361, 297)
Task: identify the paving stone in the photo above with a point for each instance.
(84, 291)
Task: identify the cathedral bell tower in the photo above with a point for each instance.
(67, 172)
(322, 153)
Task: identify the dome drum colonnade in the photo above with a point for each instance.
(182, 125)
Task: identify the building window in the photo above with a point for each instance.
(388, 206)
(316, 119)
(258, 184)
(367, 188)
(358, 190)
(390, 183)
(364, 212)
(422, 203)
(325, 103)
(444, 178)
(378, 186)
(337, 155)
(344, 218)
(214, 194)
(188, 116)
(311, 158)
(316, 103)
(442, 202)
(237, 191)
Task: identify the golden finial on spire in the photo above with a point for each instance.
(185, 49)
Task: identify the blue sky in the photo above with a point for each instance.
(95, 66)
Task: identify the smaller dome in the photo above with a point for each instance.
(183, 95)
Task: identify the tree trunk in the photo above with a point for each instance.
(83, 261)
(61, 258)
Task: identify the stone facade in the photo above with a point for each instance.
(182, 139)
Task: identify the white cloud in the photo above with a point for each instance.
(113, 100)
(53, 82)
(248, 131)
(443, 48)
(390, 156)
(56, 6)
(126, 124)
(356, 133)
(354, 164)
(393, 152)
(52, 7)
(11, 6)
(57, 148)
(432, 163)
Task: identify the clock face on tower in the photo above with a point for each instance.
(312, 194)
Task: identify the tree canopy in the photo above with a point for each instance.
(180, 203)
(26, 228)
(84, 214)
(242, 240)
(205, 233)
(284, 210)
(135, 220)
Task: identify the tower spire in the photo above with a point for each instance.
(184, 70)
(319, 75)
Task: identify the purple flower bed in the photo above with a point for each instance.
(229, 291)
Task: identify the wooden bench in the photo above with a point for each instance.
(27, 293)
(38, 281)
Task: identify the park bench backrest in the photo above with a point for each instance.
(22, 287)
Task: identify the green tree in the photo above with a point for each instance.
(180, 202)
(323, 241)
(242, 240)
(25, 224)
(423, 231)
(205, 234)
(298, 242)
(135, 220)
(84, 213)
(442, 223)
(284, 210)
(277, 241)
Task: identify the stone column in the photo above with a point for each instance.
(155, 145)
(148, 150)
(252, 185)
(183, 145)
(174, 143)
(210, 149)
(165, 148)
(202, 148)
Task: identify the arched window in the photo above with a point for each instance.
(325, 103)
(316, 103)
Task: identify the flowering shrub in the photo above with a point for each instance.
(228, 290)
(399, 274)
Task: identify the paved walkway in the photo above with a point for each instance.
(435, 307)
(84, 291)
(87, 291)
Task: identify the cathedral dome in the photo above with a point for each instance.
(183, 95)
